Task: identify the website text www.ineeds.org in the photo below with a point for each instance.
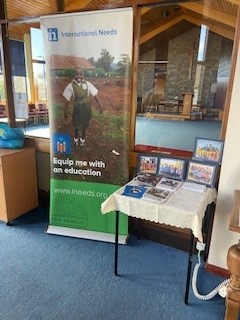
(78, 167)
(84, 193)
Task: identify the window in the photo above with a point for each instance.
(29, 84)
(18, 72)
(2, 89)
(37, 88)
(39, 67)
(183, 74)
(202, 47)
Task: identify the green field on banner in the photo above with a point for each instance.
(77, 204)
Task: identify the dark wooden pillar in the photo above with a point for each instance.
(6, 64)
(60, 5)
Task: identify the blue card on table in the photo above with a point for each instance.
(134, 191)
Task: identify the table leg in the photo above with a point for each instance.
(189, 268)
(139, 224)
(116, 244)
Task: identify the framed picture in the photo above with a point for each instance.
(202, 173)
(147, 164)
(208, 150)
(172, 168)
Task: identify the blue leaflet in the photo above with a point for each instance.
(134, 191)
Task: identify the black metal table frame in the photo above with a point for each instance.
(190, 255)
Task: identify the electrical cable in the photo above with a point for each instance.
(211, 294)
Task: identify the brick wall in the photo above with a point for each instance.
(182, 66)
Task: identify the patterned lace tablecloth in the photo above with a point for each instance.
(183, 209)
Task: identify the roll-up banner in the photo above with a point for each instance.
(88, 60)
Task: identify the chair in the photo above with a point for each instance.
(3, 113)
(32, 113)
(180, 105)
(42, 113)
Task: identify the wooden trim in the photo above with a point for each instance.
(28, 62)
(60, 5)
(39, 144)
(231, 77)
(133, 159)
(136, 37)
(217, 270)
(78, 5)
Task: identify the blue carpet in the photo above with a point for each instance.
(52, 277)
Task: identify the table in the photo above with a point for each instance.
(183, 209)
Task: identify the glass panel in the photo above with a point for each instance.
(183, 73)
(202, 46)
(39, 67)
(40, 85)
(38, 108)
(37, 44)
(3, 112)
(17, 58)
(2, 89)
(20, 97)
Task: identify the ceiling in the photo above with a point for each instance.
(219, 15)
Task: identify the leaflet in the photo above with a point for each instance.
(169, 184)
(157, 194)
(134, 191)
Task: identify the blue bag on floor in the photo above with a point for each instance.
(11, 138)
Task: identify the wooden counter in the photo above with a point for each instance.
(18, 182)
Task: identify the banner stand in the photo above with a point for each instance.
(90, 235)
(88, 65)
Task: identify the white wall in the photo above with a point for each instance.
(222, 238)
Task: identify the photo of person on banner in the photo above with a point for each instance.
(79, 92)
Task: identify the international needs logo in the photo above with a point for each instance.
(52, 34)
(61, 143)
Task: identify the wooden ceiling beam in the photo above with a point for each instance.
(80, 4)
(218, 30)
(211, 13)
(145, 10)
(160, 29)
(237, 2)
(77, 4)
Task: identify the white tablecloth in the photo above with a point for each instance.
(183, 209)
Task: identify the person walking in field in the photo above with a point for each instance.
(79, 92)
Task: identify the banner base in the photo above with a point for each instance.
(86, 234)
